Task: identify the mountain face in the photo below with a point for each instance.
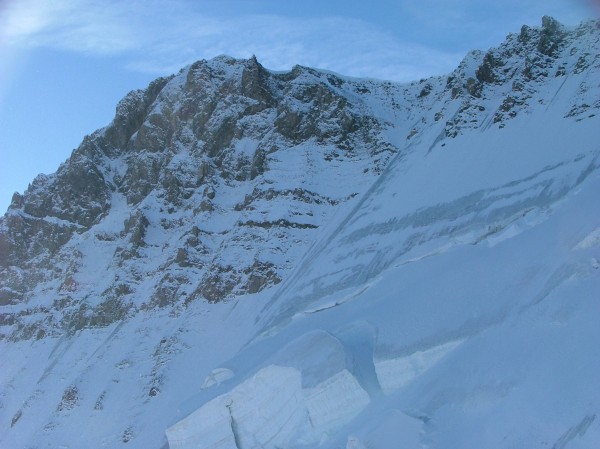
(251, 259)
(206, 186)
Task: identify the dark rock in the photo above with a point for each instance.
(218, 283)
(260, 275)
(127, 435)
(254, 85)
(551, 36)
(486, 71)
(136, 226)
(474, 87)
(526, 34)
(16, 201)
(16, 417)
(131, 112)
(69, 400)
(425, 91)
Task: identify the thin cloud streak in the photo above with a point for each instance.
(346, 46)
(159, 39)
(75, 25)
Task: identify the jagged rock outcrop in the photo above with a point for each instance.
(204, 187)
(169, 174)
(517, 71)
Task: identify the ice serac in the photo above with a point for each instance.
(394, 373)
(271, 410)
(249, 259)
(332, 393)
(211, 425)
(264, 411)
(304, 394)
(334, 402)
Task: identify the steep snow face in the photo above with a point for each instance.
(303, 260)
(478, 183)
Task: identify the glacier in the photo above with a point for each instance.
(440, 293)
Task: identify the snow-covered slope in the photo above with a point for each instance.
(245, 259)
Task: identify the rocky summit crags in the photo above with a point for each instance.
(205, 180)
(360, 260)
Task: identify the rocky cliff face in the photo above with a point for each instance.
(209, 185)
(202, 187)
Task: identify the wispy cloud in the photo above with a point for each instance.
(161, 37)
(78, 25)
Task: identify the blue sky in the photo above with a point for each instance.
(64, 64)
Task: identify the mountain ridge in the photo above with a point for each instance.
(231, 205)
